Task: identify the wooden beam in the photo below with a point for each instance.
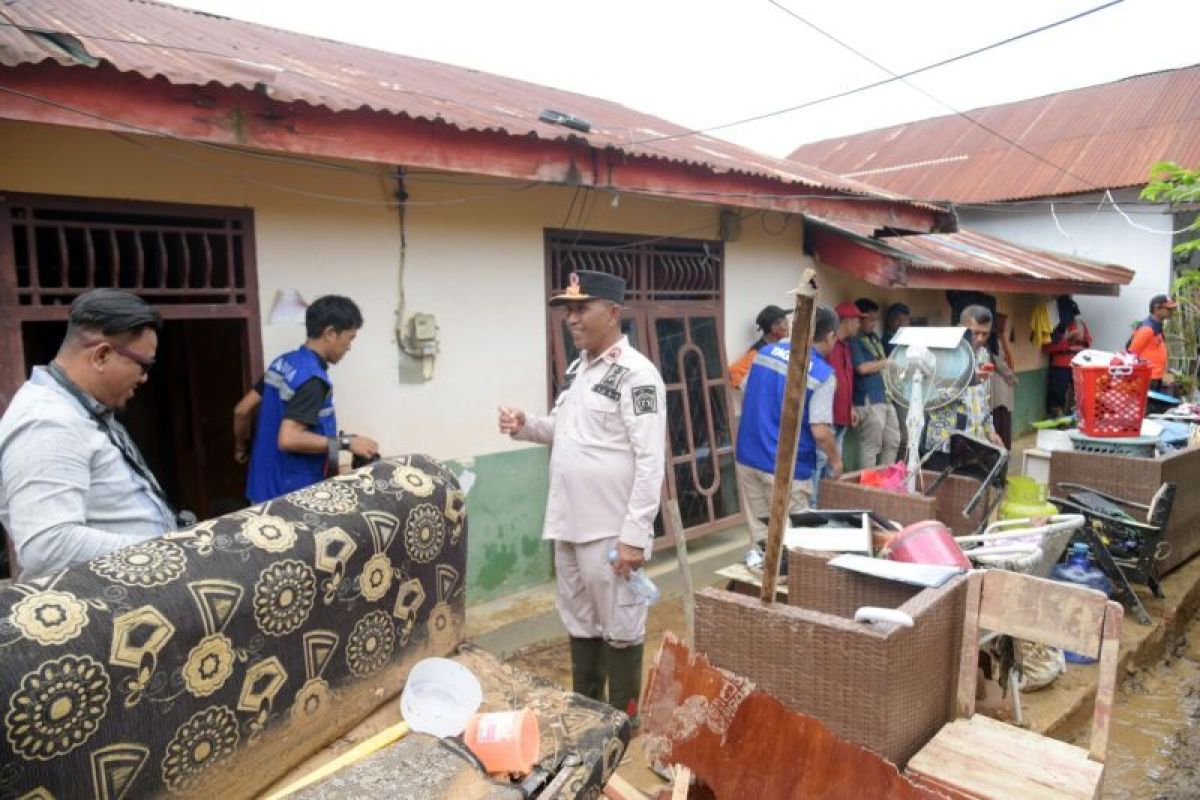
(103, 98)
(789, 430)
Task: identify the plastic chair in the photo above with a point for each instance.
(978, 757)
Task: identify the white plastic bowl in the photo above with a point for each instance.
(439, 697)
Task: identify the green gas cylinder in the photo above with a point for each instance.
(1026, 498)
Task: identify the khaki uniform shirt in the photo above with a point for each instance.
(607, 431)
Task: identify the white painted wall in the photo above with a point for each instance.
(1101, 236)
(479, 266)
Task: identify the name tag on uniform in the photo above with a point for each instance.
(610, 384)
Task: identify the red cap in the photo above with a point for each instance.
(848, 310)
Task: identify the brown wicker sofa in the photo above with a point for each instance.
(883, 686)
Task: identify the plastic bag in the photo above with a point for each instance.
(890, 478)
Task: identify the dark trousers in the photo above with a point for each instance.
(1058, 392)
(1002, 422)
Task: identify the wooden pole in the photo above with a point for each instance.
(685, 570)
(789, 429)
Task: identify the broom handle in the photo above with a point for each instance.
(789, 429)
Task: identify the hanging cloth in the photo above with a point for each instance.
(1039, 325)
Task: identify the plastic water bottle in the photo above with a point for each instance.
(641, 585)
(1077, 570)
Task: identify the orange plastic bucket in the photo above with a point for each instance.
(505, 741)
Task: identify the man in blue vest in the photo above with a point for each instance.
(296, 440)
(758, 433)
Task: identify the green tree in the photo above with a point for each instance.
(1172, 183)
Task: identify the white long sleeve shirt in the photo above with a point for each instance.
(66, 492)
(607, 433)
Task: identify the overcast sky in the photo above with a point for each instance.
(705, 62)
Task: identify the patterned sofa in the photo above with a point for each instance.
(213, 660)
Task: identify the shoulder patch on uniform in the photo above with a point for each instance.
(645, 400)
(610, 384)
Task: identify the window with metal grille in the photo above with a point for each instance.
(168, 254)
(654, 269)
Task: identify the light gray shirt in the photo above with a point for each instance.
(66, 492)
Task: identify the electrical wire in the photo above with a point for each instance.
(693, 132)
(928, 95)
(876, 84)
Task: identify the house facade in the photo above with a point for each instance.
(217, 168)
(1061, 173)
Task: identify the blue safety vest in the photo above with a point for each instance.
(274, 472)
(758, 431)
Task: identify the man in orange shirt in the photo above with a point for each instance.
(773, 323)
(1148, 343)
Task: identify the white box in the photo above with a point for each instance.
(1054, 440)
(1036, 464)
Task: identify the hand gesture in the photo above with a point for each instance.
(512, 420)
(363, 447)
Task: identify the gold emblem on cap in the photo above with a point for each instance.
(573, 286)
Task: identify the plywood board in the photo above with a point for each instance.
(1044, 611)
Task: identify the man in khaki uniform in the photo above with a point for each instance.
(607, 430)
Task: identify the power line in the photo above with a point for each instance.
(942, 103)
(876, 84)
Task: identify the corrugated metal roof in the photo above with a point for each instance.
(193, 48)
(975, 253)
(1104, 136)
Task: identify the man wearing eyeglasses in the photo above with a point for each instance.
(73, 485)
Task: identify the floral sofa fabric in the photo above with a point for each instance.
(215, 658)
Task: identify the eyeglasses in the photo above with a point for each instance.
(137, 358)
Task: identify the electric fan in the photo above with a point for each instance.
(929, 368)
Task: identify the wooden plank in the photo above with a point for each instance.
(1106, 682)
(685, 569)
(968, 662)
(683, 781)
(981, 757)
(618, 788)
(746, 577)
(1058, 614)
(743, 743)
(789, 430)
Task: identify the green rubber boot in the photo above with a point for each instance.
(587, 667)
(625, 679)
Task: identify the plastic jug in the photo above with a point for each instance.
(1077, 570)
(1026, 498)
(505, 741)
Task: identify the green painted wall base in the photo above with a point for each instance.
(505, 508)
(1031, 399)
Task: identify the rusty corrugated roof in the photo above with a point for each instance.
(194, 48)
(1104, 136)
(975, 253)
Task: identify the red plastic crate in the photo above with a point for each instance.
(1111, 400)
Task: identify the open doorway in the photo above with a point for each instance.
(182, 417)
